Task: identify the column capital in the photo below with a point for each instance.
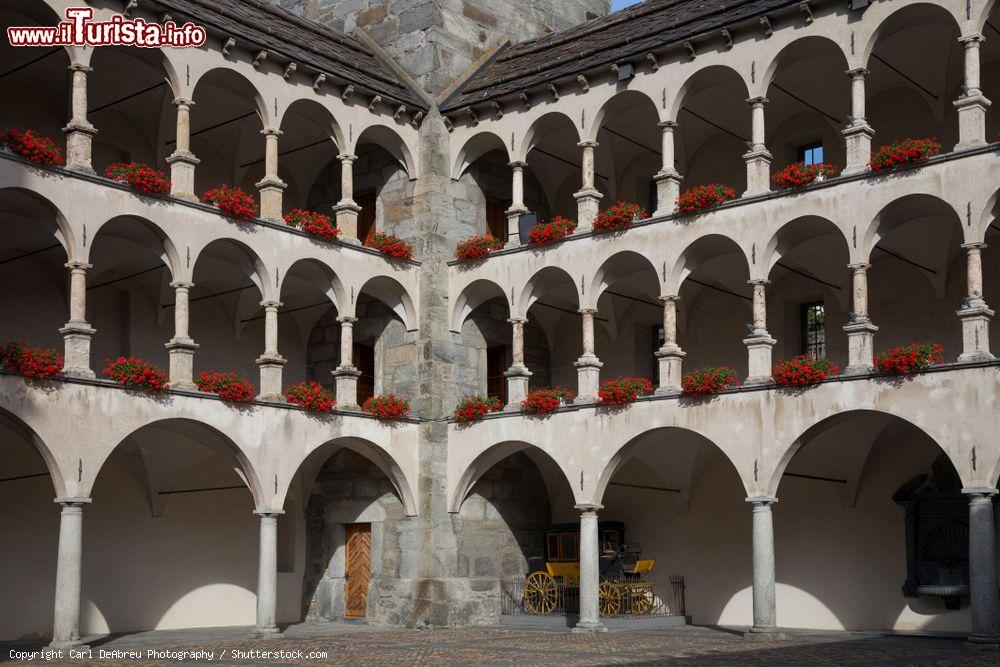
(759, 281)
(588, 508)
(70, 501)
(972, 38)
(764, 501)
(670, 297)
(517, 164)
(76, 265)
(347, 157)
(859, 266)
(857, 72)
(517, 320)
(78, 67)
(182, 102)
(975, 245)
(587, 311)
(271, 303)
(182, 284)
(758, 101)
(667, 124)
(268, 513)
(588, 144)
(979, 492)
(347, 319)
(271, 132)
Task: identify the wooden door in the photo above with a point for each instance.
(496, 220)
(496, 364)
(364, 361)
(366, 218)
(358, 568)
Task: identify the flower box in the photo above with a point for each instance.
(312, 223)
(232, 202)
(32, 146)
(33, 362)
(553, 231)
(136, 374)
(543, 401)
(139, 177)
(387, 407)
(709, 381)
(903, 152)
(909, 359)
(477, 247)
(800, 174)
(312, 396)
(391, 245)
(803, 370)
(229, 386)
(619, 217)
(704, 197)
(623, 390)
(474, 408)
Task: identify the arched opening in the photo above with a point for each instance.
(989, 59)
(310, 292)
(629, 152)
(310, 140)
(550, 149)
(550, 302)
(991, 264)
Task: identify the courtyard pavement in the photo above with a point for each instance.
(356, 644)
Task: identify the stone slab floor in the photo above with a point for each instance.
(355, 644)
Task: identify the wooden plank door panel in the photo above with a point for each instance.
(358, 568)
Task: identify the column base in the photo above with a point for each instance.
(346, 212)
(182, 164)
(271, 190)
(971, 120)
(859, 148)
(764, 634)
(270, 378)
(975, 318)
(759, 358)
(181, 353)
(517, 386)
(264, 632)
(758, 172)
(860, 348)
(588, 374)
(346, 380)
(76, 645)
(587, 628)
(79, 140)
(670, 358)
(668, 188)
(76, 338)
(588, 203)
(514, 225)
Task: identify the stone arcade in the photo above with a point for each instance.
(443, 120)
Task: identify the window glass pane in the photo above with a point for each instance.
(811, 153)
(814, 329)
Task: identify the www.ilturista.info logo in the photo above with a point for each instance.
(79, 30)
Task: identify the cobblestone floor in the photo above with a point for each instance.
(349, 644)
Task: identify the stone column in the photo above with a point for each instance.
(590, 574)
(267, 574)
(860, 330)
(347, 209)
(858, 133)
(517, 375)
(972, 104)
(974, 313)
(758, 159)
(759, 343)
(66, 621)
(77, 332)
(670, 356)
(668, 180)
(346, 376)
(79, 132)
(588, 366)
(271, 187)
(182, 161)
(983, 567)
(181, 347)
(588, 199)
(517, 207)
(764, 609)
(271, 362)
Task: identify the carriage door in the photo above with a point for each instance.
(358, 569)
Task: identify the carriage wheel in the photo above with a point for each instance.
(540, 593)
(642, 600)
(610, 597)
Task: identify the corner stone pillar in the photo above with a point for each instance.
(267, 574)
(860, 330)
(758, 158)
(590, 571)
(79, 132)
(588, 199)
(347, 209)
(346, 375)
(517, 375)
(983, 568)
(66, 620)
(182, 161)
(670, 357)
(972, 104)
(77, 332)
(271, 187)
(858, 133)
(764, 608)
(181, 347)
(759, 343)
(588, 366)
(974, 313)
(271, 362)
(668, 180)
(517, 207)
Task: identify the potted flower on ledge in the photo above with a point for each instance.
(32, 146)
(311, 396)
(139, 176)
(545, 401)
(137, 374)
(474, 408)
(554, 230)
(622, 391)
(228, 386)
(477, 247)
(387, 407)
(799, 174)
(312, 223)
(619, 217)
(704, 197)
(232, 201)
(31, 362)
(390, 245)
(803, 371)
(904, 152)
(910, 359)
(709, 381)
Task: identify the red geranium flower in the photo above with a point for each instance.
(387, 407)
(474, 408)
(313, 223)
(910, 359)
(232, 201)
(623, 391)
(391, 245)
(34, 362)
(544, 401)
(32, 146)
(708, 381)
(136, 373)
(799, 174)
(803, 370)
(477, 247)
(905, 151)
(553, 231)
(139, 177)
(310, 395)
(229, 386)
(619, 217)
(704, 197)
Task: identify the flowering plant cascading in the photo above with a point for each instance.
(477, 247)
(708, 381)
(545, 400)
(310, 395)
(909, 359)
(390, 245)
(387, 407)
(556, 229)
(803, 370)
(905, 151)
(229, 386)
(137, 374)
(33, 362)
(704, 197)
(139, 177)
(474, 408)
(313, 223)
(799, 174)
(619, 217)
(623, 390)
(232, 201)
(32, 146)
